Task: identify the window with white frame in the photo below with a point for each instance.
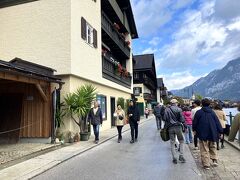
(89, 36)
(88, 33)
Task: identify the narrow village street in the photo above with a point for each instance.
(149, 158)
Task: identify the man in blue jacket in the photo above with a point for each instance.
(208, 129)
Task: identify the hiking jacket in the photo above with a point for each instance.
(207, 125)
(187, 116)
(173, 116)
(221, 117)
(158, 111)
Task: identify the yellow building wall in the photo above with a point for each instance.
(39, 32)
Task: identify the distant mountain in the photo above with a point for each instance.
(221, 84)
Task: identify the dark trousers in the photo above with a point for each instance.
(195, 141)
(159, 122)
(96, 132)
(119, 128)
(221, 140)
(134, 129)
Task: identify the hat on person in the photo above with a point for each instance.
(173, 101)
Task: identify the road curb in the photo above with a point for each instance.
(234, 145)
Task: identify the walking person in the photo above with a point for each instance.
(196, 106)
(120, 121)
(146, 113)
(173, 122)
(95, 116)
(158, 112)
(235, 127)
(207, 127)
(222, 119)
(134, 120)
(188, 120)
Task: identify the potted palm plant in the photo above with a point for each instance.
(78, 105)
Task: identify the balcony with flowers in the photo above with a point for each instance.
(114, 71)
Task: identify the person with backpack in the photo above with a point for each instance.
(174, 122)
(158, 112)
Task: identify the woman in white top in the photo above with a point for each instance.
(119, 120)
(196, 106)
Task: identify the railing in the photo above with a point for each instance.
(230, 117)
(109, 72)
(115, 35)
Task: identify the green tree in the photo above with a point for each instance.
(121, 101)
(198, 96)
(179, 99)
(78, 105)
(126, 105)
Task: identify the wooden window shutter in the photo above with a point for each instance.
(95, 38)
(83, 28)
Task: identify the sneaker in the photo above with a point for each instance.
(119, 140)
(215, 163)
(195, 148)
(206, 167)
(174, 161)
(136, 140)
(222, 146)
(132, 141)
(182, 159)
(96, 142)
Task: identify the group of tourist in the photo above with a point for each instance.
(204, 121)
(204, 124)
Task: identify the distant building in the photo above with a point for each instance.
(161, 90)
(144, 81)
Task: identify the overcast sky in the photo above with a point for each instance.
(189, 38)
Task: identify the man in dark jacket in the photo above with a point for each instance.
(158, 112)
(174, 121)
(207, 128)
(134, 119)
(95, 116)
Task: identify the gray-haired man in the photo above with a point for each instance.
(173, 121)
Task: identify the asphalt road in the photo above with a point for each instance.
(148, 159)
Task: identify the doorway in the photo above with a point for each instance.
(10, 117)
(113, 107)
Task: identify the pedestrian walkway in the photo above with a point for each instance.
(148, 159)
(229, 164)
(36, 165)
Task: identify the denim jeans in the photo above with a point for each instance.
(188, 134)
(176, 131)
(96, 132)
